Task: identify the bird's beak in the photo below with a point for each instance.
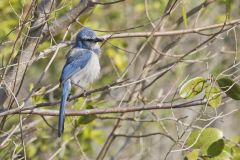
(99, 39)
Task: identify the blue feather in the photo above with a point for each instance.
(65, 93)
(77, 59)
(81, 68)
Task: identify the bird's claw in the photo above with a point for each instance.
(69, 96)
(85, 94)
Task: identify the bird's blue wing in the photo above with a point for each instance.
(65, 93)
(76, 60)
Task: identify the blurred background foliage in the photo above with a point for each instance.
(85, 135)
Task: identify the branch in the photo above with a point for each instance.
(28, 48)
(108, 3)
(145, 135)
(48, 112)
(29, 44)
(196, 9)
(68, 18)
(51, 49)
(38, 32)
(171, 33)
(63, 22)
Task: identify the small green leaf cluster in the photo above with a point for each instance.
(212, 94)
(210, 144)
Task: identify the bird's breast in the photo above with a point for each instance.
(89, 73)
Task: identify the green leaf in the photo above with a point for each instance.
(235, 140)
(184, 15)
(97, 135)
(231, 88)
(86, 119)
(234, 145)
(192, 87)
(119, 58)
(213, 95)
(31, 86)
(192, 155)
(228, 8)
(223, 156)
(236, 153)
(31, 150)
(215, 148)
(199, 139)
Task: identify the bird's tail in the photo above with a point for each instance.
(66, 88)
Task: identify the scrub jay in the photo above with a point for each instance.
(81, 68)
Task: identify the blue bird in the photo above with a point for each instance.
(81, 68)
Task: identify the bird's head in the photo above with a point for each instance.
(87, 39)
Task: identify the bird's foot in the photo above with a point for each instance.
(69, 96)
(85, 93)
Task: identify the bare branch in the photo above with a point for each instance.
(172, 33)
(145, 135)
(46, 112)
(63, 22)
